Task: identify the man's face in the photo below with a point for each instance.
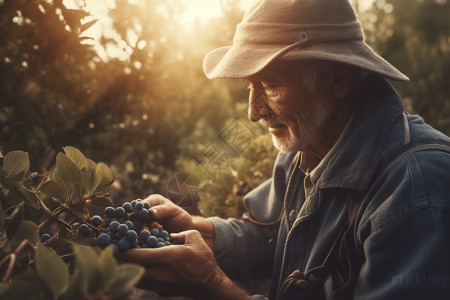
(296, 117)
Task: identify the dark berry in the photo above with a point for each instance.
(160, 244)
(85, 230)
(152, 242)
(108, 221)
(129, 224)
(45, 237)
(154, 232)
(146, 205)
(96, 221)
(123, 245)
(104, 240)
(110, 212)
(164, 234)
(127, 207)
(120, 212)
(143, 213)
(144, 235)
(113, 226)
(139, 205)
(115, 248)
(133, 203)
(122, 229)
(131, 235)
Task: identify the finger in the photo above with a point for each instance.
(164, 211)
(156, 199)
(147, 257)
(188, 237)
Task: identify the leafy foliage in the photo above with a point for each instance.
(66, 266)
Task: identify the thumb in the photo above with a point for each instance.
(189, 237)
(163, 211)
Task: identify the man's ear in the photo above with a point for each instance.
(342, 80)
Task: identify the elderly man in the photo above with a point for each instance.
(358, 205)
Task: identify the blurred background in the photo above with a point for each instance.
(122, 81)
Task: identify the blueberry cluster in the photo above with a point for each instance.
(126, 227)
(130, 226)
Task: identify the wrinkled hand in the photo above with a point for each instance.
(182, 270)
(172, 217)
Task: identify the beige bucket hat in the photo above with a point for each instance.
(296, 30)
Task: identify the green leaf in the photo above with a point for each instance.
(27, 230)
(16, 163)
(67, 170)
(27, 286)
(14, 220)
(128, 275)
(86, 262)
(108, 268)
(101, 201)
(87, 25)
(103, 178)
(51, 269)
(3, 288)
(76, 156)
(51, 188)
(87, 173)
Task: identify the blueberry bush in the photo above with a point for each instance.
(50, 247)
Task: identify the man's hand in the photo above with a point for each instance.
(172, 217)
(175, 219)
(184, 270)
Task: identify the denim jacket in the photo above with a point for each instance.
(402, 230)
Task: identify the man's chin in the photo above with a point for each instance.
(283, 146)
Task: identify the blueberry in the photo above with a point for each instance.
(104, 240)
(121, 220)
(160, 244)
(139, 205)
(110, 212)
(113, 226)
(146, 205)
(120, 212)
(123, 245)
(127, 207)
(131, 235)
(143, 213)
(134, 244)
(152, 242)
(96, 221)
(85, 230)
(164, 234)
(133, 203)
(129, 224)
(108, 221)
(154, 232)
(144, 235)
(137, 225)
(161, 240)
(167, 243)
(45, 237)
(122, 229)
(115, 248)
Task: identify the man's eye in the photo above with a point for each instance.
(271, 91)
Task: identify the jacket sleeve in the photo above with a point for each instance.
(245, 246)
(405, 232)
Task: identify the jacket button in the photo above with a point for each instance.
(292, 216)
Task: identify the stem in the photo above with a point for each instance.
(13, 259)
(12, 264)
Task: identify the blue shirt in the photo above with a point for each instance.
(402, 230)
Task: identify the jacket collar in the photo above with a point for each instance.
(354, 161)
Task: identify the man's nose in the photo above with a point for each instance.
(257, 107)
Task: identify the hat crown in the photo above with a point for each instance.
(300, 12)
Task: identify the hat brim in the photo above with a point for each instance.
(243, 60)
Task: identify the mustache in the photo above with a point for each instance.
(272, 120)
